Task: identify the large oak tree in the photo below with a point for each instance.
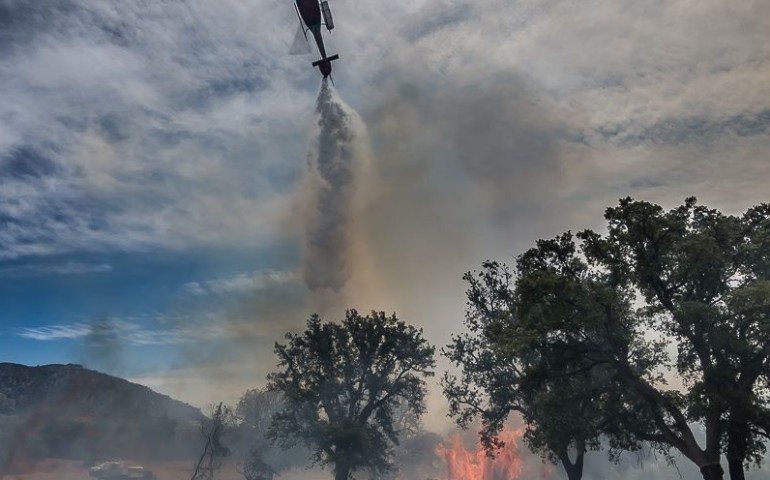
(702, 281)
(545, 361)
(343, 384)
(705, 280)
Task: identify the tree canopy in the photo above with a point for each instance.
(256, 408)
(344, 384)
(590, 322)
(544, 361)
(705, 282)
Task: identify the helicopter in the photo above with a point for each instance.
(312, 15)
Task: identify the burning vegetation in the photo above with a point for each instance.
(476, 464)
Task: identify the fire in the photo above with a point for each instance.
(464, 464)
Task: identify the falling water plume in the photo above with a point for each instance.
(332, 166)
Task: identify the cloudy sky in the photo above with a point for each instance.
(155, 199)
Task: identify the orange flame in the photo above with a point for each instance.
(463, 464)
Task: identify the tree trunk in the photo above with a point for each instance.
(735, 466)
(737, 432)
(712, 471)
(574, 470)
(341, 471)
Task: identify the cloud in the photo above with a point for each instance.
(106, 334)
(242, 282)
(182, 125)
(25, 162)
(121, 136)
(434, 17)
(55, 332)
(178, 335)
(692, 130)
(66, 268)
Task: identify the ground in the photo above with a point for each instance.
(54, 469)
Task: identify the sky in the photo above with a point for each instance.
(158, 200)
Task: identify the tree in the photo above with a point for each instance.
(259, 458)
(343, 382)
(416, 456)
(255, 411)
(253, 466)
(705, 279)
(214, 451)
(535, 361)
(256, 408)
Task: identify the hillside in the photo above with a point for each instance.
(67, 411)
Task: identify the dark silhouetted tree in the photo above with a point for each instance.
(343, 383)
(536, 361)
(705, 280)
(702, 281)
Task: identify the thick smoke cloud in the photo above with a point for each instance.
(497, 145)
(460, 174)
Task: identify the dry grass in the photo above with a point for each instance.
(53, 469)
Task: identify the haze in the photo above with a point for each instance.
(155, 201)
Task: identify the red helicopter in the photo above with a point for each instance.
(312, 15)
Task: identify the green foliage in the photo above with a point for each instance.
(561, 330)
(704, 277)
(256, 408)
(344, 383)
(540, 343)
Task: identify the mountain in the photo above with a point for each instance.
(67, 411)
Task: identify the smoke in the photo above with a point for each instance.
(332, 167)
(392, 208)
(459, 174)
(102, 348)
(253, 311)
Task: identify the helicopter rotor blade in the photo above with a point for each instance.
(300, 45)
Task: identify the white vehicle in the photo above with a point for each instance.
(120, 471)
